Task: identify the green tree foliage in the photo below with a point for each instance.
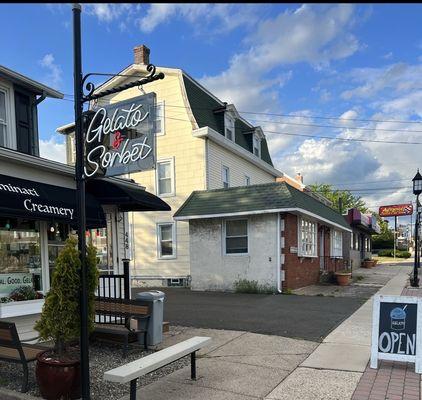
(385, 240)
(60, 318)
(349, 200)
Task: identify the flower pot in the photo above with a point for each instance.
(368, 264)
(343, 279)
(58, 379)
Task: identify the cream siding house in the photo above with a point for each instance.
(202, 143)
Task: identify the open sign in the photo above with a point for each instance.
(396, 330)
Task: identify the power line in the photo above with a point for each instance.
(296, 116)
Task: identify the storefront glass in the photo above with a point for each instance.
(20, 259)
(100, 240)
(57, 234)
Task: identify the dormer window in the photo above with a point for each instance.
(256, 145)
(229, 126)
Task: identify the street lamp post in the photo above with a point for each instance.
(417, 190)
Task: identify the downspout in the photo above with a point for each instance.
(278, 258)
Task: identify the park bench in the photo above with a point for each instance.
(130, 372)
(12, 349)
(113, 319)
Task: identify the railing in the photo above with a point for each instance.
(116, 287)
(333, 264)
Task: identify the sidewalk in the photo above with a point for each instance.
(242, 365)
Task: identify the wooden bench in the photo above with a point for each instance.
(12, 349)
(113, 317)
(130, 372)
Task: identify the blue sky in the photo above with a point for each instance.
(360, 64)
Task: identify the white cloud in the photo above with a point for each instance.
(107, 12)
(217, 18)
(53, 150)
(311, 34)
(54, 76)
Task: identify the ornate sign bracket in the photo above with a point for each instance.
(90, 87)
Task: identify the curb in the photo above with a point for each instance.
(6, 394)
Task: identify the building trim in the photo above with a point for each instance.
(269, 211)
(207, 132)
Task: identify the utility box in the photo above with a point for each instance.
(155, 300)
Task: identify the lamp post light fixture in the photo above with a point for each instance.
(417, 190)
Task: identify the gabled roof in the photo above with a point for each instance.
(34, 86)
(257, 199)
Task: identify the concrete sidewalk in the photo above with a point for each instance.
(236, 365)
(242, 365)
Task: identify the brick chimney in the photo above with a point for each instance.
(299, 177)
(141, 54)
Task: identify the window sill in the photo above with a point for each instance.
(20, 308)
(166, 195)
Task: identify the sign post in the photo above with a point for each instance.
(397, 330)
(80, 172)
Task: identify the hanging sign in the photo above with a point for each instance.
(120, 137)
(396, 330)
(396, 210)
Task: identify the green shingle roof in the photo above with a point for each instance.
(244, 199)
(203, 106)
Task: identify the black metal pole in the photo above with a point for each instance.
(415, 281)
(80, 188)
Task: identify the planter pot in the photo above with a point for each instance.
(19, 308)
(368, 264)
(343, 279)
(58, 379)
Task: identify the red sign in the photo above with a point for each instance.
(396, 210)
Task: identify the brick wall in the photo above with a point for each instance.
(299, 271)
(304, 271)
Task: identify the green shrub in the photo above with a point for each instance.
(25, 293)
(385, 253)
(60, 318)
(390, 253)
(246, 286)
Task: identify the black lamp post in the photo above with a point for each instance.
(417, 190)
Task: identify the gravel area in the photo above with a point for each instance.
(103, 356)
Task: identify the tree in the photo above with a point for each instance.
(348, 199)
(60, 318)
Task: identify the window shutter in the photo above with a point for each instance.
(24, 124)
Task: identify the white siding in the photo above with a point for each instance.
(239, 167)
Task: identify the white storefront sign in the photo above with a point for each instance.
(397, 330)
(10, 282)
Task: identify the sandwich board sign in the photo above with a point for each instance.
(397, 330)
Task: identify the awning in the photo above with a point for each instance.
(127, 196)
(21, 198)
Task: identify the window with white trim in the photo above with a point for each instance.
(256, 145)
(336, 243)
(307, 238)
(225, 177)
(3, 119)
(165, 178)
(236, 236)
(229, 127)
(166, 240)
(159, 119)
(247, 180)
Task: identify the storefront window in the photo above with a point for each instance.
(20, 260)
(57, 234)
(99, 238)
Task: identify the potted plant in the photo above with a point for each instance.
(343, 277)
(58, 370)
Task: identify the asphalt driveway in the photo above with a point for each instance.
(302, 317)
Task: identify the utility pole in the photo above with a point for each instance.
(80, 189)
